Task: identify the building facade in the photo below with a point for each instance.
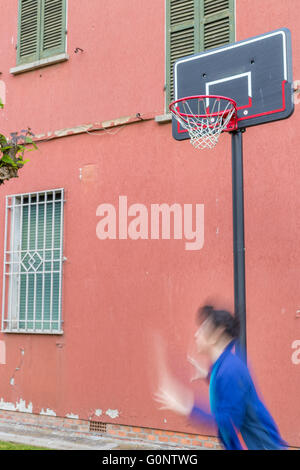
(93, 276)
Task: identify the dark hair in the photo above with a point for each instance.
(220, 318)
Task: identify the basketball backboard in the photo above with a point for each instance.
(256, 73)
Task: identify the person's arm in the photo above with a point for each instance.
(181, 401)
(173, 395)
(230, 406)
(200, 372)
(228, 432)
(226, 429)
(200, 415)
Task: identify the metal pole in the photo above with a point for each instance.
(238, 239)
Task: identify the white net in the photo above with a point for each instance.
(205, 118)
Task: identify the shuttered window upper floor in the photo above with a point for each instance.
(41, 33)
(194, 26)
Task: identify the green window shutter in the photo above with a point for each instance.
(28, 31)
(180, 36)
(194, 26)
(217, 23)
(53, 28)
(41, 29)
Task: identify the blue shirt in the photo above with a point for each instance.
(236, 407)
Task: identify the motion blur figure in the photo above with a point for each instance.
(235, 406)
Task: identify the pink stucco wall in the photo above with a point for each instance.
(117, 294)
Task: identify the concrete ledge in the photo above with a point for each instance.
(163, 118)
(39, 63)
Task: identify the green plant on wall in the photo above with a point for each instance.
(12, 152)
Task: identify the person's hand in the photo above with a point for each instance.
(173, 396)
(200, 371)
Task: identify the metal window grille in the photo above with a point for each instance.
(33, 257)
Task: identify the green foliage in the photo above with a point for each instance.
(15, 446)
(12, 152)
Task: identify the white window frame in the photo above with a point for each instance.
(14, 257)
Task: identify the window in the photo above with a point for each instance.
(194, 26)
(41, 30)
(33, 260)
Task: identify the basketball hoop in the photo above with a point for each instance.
(205, 117)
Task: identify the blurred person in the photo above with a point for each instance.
(235, 406)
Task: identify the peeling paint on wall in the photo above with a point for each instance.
(12, 380)
(2, 91)
(18, 406)
(88, 173)
(112, 413)
(2, 352)
(98, 412)
(48, 412)
(72, 416)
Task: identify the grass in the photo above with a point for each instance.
(14, 446)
